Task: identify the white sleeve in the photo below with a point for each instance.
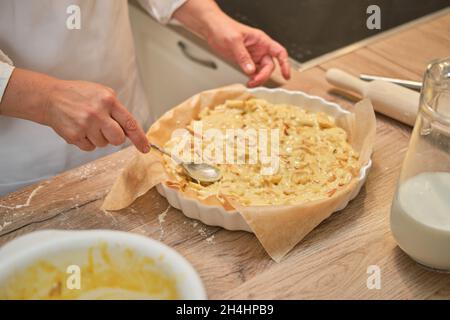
(6, 69)
(161, 10)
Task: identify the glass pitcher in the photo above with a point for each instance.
(420, 212)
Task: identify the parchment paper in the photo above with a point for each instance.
(278, 228)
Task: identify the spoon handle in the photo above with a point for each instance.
(164, 151)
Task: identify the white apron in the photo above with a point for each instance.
(35, 36)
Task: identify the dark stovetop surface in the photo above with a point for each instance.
(310, 28)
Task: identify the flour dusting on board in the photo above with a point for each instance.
(4, 225)
(210, 240)
(27, 203)
(203, 232)
(161, 220)
(109, 214)
(85, 171)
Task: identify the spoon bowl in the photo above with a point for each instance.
(203, 173)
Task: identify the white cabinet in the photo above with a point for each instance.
(174, 68)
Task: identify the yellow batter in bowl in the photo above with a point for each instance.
(103, 276)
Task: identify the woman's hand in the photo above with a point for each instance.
(252, 49)
(85, 114)
(89, 115)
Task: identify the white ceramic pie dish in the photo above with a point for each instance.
(232, 220)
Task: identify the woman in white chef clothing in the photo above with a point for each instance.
(49, 122)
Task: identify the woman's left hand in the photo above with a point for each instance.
(251, 48)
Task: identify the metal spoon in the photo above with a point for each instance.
(200, 172)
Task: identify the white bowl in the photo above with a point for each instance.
(52, 246)
(232, 220)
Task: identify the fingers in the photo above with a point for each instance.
(266, 68)
(113, 132)
(242, 57)
(97, 138)
(278, 52)
(84, 144)
(131, 128)
(89, 115)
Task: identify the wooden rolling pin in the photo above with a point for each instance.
(387, 98)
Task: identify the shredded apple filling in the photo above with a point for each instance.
(309, 155)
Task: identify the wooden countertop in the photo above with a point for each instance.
(331, 262)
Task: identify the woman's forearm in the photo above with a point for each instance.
(85, 114)
(199, 15)
(25, 95)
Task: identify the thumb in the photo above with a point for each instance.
(243, 58)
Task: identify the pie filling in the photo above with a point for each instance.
(268, 154)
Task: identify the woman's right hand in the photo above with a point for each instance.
(89, 115)
(85, 114)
